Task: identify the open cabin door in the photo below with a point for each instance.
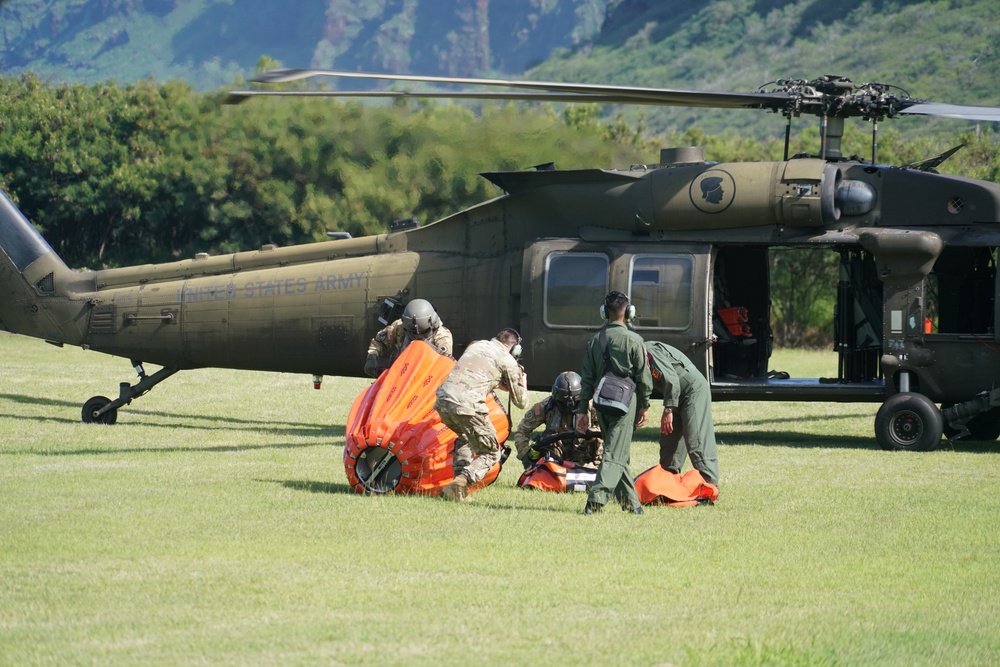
(959, 325)
(566, 282)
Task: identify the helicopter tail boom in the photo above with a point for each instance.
(34, 282)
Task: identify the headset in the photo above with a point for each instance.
(629, 312)
(516, 350)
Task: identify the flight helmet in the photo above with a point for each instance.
(566, 390)
(420, 320)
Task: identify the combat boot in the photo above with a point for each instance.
(592, 507)
(456, 490)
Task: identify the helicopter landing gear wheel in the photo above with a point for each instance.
(908, 421)
(91, 407)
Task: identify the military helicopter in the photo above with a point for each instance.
(687, 239)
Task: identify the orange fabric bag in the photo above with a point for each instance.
(395, 439)
(656, 486)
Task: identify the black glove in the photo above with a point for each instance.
(371, 366)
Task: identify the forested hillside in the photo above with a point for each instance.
(939, 50)
(211, 42)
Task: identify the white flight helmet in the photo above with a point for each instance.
(420, 320)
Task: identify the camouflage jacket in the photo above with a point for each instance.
(580, 450)
(484, 366)
(390, 341)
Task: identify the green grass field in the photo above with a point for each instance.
(213, 525)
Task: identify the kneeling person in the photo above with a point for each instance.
(556, 412)
(419, 322)
(461, 403)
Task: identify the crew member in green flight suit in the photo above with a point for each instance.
(627, 359)
(686, 425)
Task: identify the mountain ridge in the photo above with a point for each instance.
(938, 50)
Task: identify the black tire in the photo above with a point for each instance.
(95, 404)
(985, 426)
(909, 422)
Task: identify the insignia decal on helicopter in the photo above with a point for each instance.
(712, 191)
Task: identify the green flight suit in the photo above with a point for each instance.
(687, 392)
(628, 359)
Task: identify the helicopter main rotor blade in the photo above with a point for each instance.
(238, 96)
(957, 111)
(593, 93)
(826, 96)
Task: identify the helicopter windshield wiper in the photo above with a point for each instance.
(930, 164)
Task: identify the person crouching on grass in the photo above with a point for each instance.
(461, 403)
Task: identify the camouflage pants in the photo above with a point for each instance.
(584, 452)
(581, 451)
(476, 436)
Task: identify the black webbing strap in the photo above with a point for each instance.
(604, 347)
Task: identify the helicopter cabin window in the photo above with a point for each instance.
(661, 291)
(960, 292)
(574, 283)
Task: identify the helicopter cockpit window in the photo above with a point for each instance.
(575, 285)
(661, 291)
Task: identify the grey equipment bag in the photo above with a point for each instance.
(613, 395)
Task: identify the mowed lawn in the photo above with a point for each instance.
(213, 525)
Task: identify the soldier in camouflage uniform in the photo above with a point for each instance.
(461, 403)
(627, 359)
(419, 322)
(556, 412)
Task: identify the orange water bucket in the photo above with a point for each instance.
(396, 442)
